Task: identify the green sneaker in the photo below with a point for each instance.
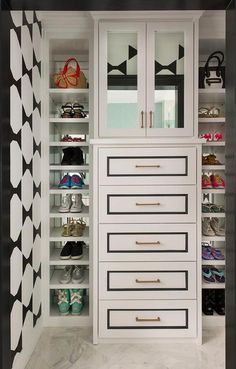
(77, 301)
(63, 297)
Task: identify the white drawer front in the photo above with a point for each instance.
(176, 280)
(147, 165)
(137, 319)
(149, 204)
(164, 242)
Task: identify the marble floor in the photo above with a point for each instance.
(60, 348)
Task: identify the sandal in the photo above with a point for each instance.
(78, 228)
(67, 110)
(218, 274)
(206, 208)
(203, 112)
(78, 110)
(67, 230)
(217, 208)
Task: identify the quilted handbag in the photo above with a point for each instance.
(213, 76)
(70, 76)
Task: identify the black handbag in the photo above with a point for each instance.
(213, 76)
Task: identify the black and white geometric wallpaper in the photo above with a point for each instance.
(25, 206)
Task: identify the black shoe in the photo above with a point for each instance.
(68, 155)
(77, 157)
(207, 302)
(67, 250)
(77, 250)
(219, 305)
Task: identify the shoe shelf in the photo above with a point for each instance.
(213, 190)
(69, 120)
(61, 191)
(213, 320)
(213, 285)
(57, 319)
(62, 95)
(211, 95)
(213, 215)
(213, 262)
(56, 260)
(54, 213)
(67, 144)
(214, 143)
(213, 167)
(213, 238)
(55, 235)
(212, 120)
(70, 168)
(56, 285)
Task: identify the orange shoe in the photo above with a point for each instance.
(206, 181)
(217, 181)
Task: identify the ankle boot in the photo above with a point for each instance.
(68, 154)
(219, 305)
(77, 158)
(207, 305)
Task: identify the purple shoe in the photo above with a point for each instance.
(207, 253)
(219, 275)
(207, 275)
(217, 254)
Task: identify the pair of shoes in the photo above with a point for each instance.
(217, 136)
(74, 110)
(68, 138)
(204, 112)
(213, 275)
(212, 227)
(212, 208)
(71, 203)
(68, 181)
(213, 300)
(210, 253)
(72, 250)
(210, 159)
(212, 181)
(73, 299)
(74, 228)
(70, 273)
(72, 156)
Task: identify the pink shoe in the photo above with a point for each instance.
(206, 181)
(217, 181)
(207, 136)
(218, 136)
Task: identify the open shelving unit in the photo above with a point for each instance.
(58, 47)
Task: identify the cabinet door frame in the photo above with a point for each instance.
(168, 27)
(123, 27)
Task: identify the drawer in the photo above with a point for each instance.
(150, 280)
(129, 166)
(139, 319)
(152, 242)
(150, 204)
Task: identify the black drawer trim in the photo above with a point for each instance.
(109, 158)
(146, 250)
(109, 326)
(147, 271)
(147, 212)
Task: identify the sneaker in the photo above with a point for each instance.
(77, 250)
(65, 182)
(77, 203)
(218, 229)
(67, 251)
(77, 301)
(217, 181)
(63, 298)
(217, 254)
(207, 275)
(206, 227)
(206, 181)
(66, 274)
(78, 274)
(65, 204)
(218, 275)
(76, 181)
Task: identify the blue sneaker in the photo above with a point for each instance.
(65, 182)
(76, 181)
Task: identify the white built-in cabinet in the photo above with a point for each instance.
(146, 78)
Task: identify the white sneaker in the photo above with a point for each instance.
(77, 203)
(66, 274)
(65, 203)
(78, 274)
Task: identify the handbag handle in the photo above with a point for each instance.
(215, 55)
(65, 69)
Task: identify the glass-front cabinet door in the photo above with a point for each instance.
(122, 81)
(170, 79)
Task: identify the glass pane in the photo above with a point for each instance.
(122, 94)
(169, 80)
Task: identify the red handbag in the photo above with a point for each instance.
(70, 77)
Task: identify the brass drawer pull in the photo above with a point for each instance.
(147, 204)
(147, 166)
(148, 243)
(151, 119)
(148, 281)
(148, 319)
(142, 119)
